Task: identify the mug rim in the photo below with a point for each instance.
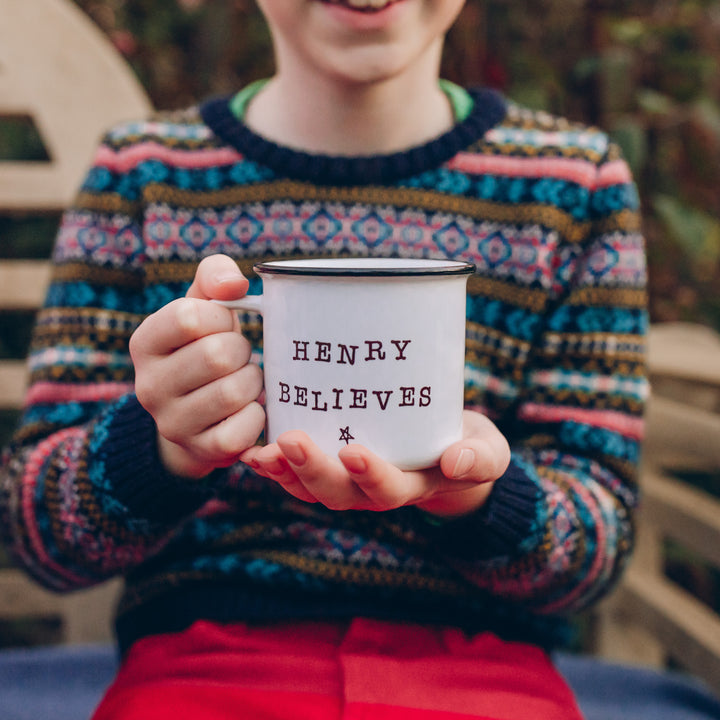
(365, 267)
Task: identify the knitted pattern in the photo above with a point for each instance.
(547, 212)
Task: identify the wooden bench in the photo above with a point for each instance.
(652, 619)
(60, 71)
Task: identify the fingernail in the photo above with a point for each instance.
(221, 278)
(294, 453)
(355, 464)
(464, 463)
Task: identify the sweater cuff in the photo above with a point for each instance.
(500, 527)
(124, 445)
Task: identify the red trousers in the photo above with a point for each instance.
(360, 670)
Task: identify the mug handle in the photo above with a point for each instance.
(249, 303)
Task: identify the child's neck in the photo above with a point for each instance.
(322, 116)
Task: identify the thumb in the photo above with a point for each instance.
(218, 278)
(483, 454)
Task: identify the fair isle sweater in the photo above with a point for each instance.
(547, 212)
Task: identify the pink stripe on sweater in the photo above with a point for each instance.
(50, 392)
(580, 171)
(125, 160)
(33, 468)
(614, 173)
(627, 425)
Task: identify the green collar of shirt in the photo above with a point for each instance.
(460, 99)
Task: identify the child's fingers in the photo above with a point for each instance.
(386, 486)
(383, 484)
(178, 323)
(219, 446)
(269, 462)
(228, 439)
(360, 481)
(184, 417)
(218, 278)
(204, 361)
(162, 382)
(482, 455)
(323, 477)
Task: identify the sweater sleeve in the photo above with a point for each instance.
(558, 527)
(83, 494)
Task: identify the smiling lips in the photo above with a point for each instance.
(363, 5)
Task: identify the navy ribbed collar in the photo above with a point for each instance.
(489, 109)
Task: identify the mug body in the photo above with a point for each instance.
(367, 351)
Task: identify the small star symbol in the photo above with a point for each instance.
(345, 435)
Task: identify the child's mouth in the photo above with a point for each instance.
(363, 5)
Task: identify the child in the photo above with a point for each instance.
(273, 581)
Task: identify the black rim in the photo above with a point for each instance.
(408, 268)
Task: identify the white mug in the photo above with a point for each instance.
(368, 351)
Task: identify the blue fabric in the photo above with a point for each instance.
(607, 691)
(54, 683)
(66, 683)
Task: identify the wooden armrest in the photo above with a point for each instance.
(23, 284)
(20, 597)
(688, 629)
(686, 351)
(689, 516)
(85, 615)
(13, 382)
(681, 435)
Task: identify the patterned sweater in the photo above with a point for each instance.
(556, 318)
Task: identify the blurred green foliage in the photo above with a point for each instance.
(20, 140)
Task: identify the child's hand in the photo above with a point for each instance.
(359, 480)
(192, 374)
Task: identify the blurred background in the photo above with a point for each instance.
(647, 72)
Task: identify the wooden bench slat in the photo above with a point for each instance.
(86, 614)
(684, 513)
(679, 434)
(685, 351)
(34, 185)
(23, 284)
(20, 597)
(689, 630)
(13, 381)
(650, 618)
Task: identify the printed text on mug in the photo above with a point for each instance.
(352, 398)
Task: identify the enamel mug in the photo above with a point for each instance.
(368, 351)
